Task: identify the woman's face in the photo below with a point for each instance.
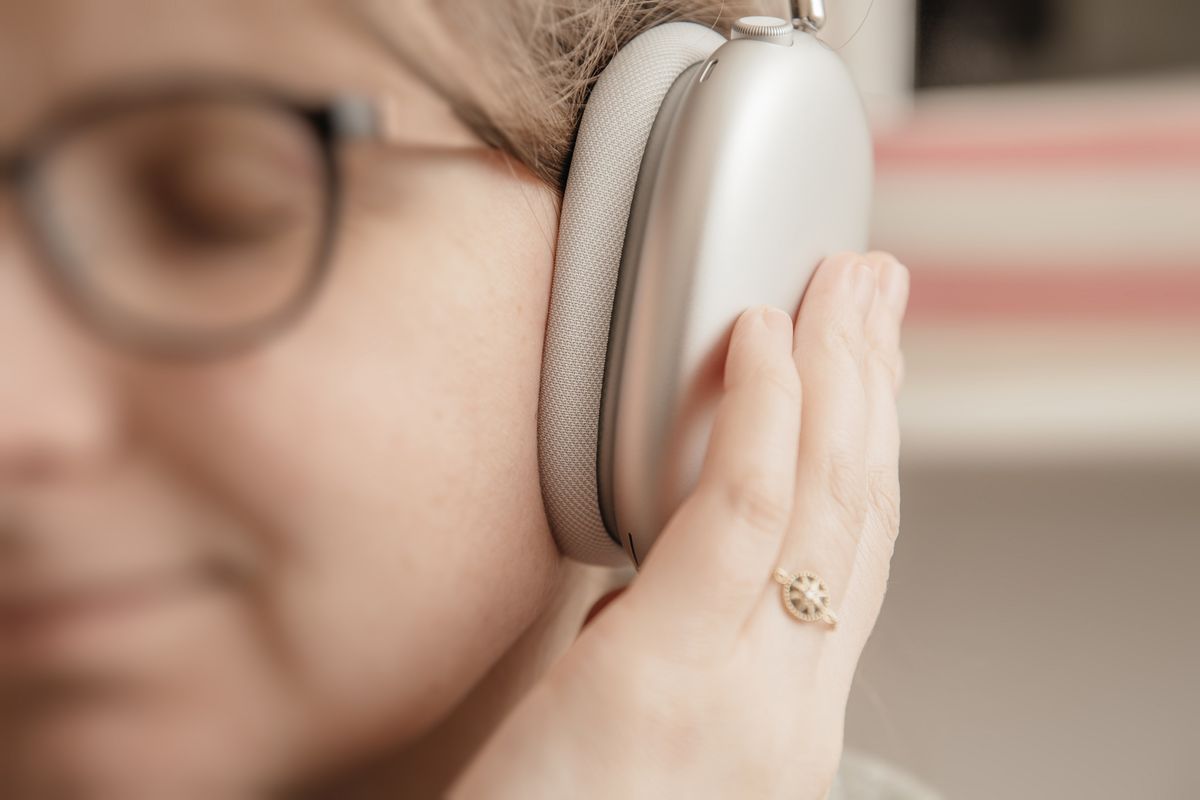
(239, 566)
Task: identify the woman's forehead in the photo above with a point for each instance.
(52, 51)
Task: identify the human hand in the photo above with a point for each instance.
(696, 681)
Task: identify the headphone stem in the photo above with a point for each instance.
(808, 15)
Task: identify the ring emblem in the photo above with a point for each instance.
(805, 596)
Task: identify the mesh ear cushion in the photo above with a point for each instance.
(604, 169)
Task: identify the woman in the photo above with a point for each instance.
(270, 518)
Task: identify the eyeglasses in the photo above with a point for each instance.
(191, 222)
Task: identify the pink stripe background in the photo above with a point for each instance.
(993, 142)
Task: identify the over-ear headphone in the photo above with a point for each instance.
(707, 176)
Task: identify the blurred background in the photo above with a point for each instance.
(1039, 172)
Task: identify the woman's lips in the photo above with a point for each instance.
(50, 608)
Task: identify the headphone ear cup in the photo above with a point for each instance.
(603, 174)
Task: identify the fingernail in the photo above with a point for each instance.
(864, 287)
(777, 320)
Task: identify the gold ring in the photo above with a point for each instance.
(805, 596)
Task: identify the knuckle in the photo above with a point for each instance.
(839, 545)
(887, 366)
(884, 490)
(840, 337)
(754, 501)
(874, 563)
(847, 492)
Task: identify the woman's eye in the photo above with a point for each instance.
(220, 199)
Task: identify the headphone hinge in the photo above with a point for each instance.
(808, 15)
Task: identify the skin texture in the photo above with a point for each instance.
(370, 476)
(365, 485)
(669, 691)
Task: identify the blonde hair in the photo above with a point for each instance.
(535, 62)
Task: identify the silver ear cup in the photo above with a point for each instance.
(603, 174)
(765, 168)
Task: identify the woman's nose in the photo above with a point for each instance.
(57, 401)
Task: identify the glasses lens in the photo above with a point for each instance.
(190, 218)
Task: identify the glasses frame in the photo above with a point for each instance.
(330, 123)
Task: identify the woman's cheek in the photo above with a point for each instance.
(383, 455)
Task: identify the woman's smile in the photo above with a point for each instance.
(274, 292)
(56, 618)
